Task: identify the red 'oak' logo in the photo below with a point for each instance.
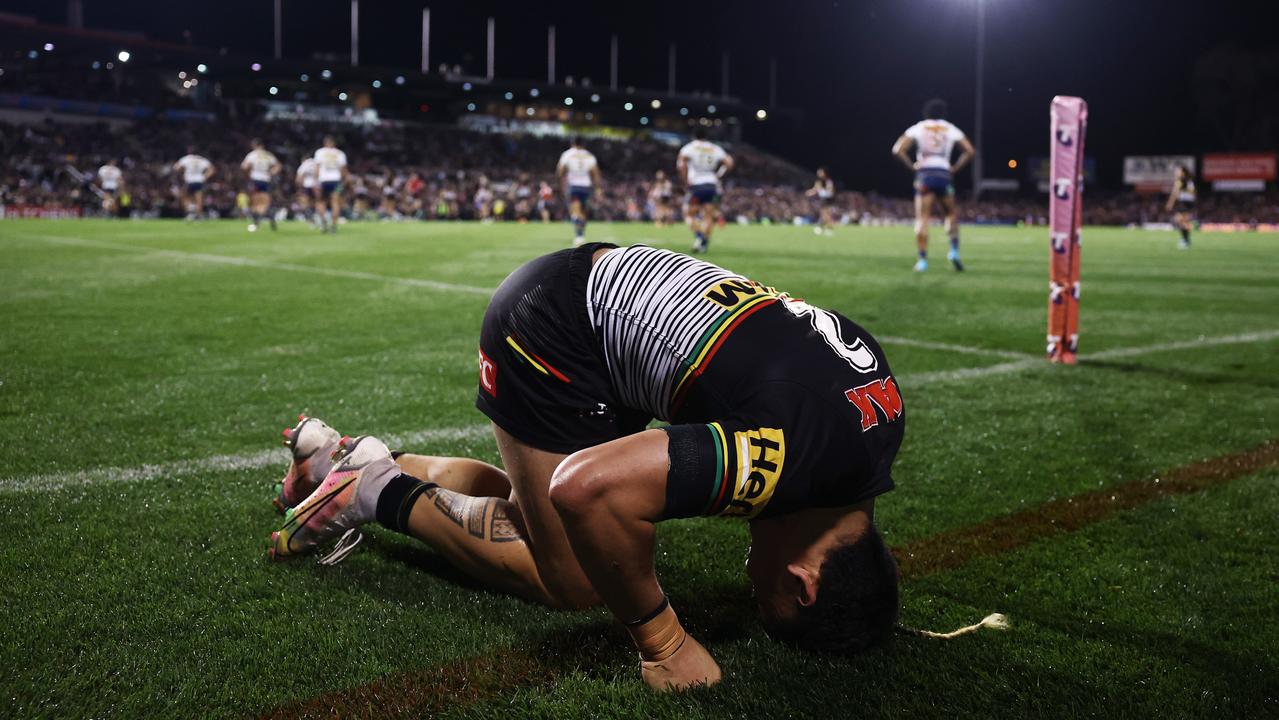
(882, 393)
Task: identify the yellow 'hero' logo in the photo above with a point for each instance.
(760, 455)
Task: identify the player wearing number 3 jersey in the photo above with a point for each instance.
(780, 413)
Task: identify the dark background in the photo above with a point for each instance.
(1160, 77)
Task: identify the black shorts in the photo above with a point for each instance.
(781, 421)
(542, 374)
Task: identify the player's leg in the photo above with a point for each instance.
(923, 211)
(1182, 221)
(335, 209)
(518, 544)
(199, 203)
(950, 209)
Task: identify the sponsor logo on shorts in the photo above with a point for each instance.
(760, 456)
(881, 394)
(488, 374)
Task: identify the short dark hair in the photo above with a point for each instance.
(857, 602)
(935, 109)
(699, 133)
(575, 141)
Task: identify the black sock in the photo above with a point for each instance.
(397, 500)
(1185, 235)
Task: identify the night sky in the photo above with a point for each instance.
(859, 70)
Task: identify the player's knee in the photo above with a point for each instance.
(580, 483)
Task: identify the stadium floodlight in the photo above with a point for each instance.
(110, 66)
(326, 73)
(96, 64)
(470, 107)
(466, 86)
(202, 68)
(32, 55)
(182, 74)
(274, 90)
(123, 56)
(509, 95)
(595, 97)
(186, 84)
(629, 107)
(683, 111)
(256, 67)
(342, 96)
(656, 104)
(399, 79)
(761, 114)
(644, 120)
(305, 77)
(529, 112)
(48, 47)
(534, 92)
(711, 109)
(590, 116)
(568, 101)
(377, 84)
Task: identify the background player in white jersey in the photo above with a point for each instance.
(934, 140)
(1181, 203)
(262, 167)
(660, 196)
(702, 164)
(196, 171)
(331, 172)
(307, 179)
(111, 181)
(581, 175)
(824, 190)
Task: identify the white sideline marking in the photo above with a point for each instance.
(963, 349)
(929, 378)
(264, 459)
(275, 457)
(266, 264)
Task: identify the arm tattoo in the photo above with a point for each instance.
(483, 518)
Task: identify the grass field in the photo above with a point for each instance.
(146, 370)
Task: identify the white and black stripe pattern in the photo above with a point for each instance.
(648, 311)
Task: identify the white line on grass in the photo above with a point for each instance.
(950, 347)
(275, 457)
(265, 264)
(918, 380)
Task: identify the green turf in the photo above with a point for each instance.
(126, 597)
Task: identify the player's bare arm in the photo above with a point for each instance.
(725, 166)
(901, 151)
(966, 154)
(610, 498)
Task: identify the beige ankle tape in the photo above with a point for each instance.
(660, 637)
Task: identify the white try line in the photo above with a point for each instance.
(415, 440)
(264, 264)
(929, 378)
(276, 457)
(951, 347)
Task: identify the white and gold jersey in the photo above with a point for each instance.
(330, 162)
(259, 164)
(193, 168)
(703, 159)
(577, 164)
(110, 176)
(934, 142)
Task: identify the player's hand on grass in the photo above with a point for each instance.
(689, 666)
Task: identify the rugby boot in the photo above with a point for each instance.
(311, 444)
(340, 505)
(953, 257)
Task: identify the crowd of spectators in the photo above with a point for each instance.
(410, 171)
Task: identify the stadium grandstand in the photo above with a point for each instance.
(422, 143)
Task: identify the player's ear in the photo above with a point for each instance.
(804, 584)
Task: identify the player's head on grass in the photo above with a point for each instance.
(822, 583)
(936, 109)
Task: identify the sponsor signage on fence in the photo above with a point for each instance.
(1239, 171)
(37, 211)
(1155, 172)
